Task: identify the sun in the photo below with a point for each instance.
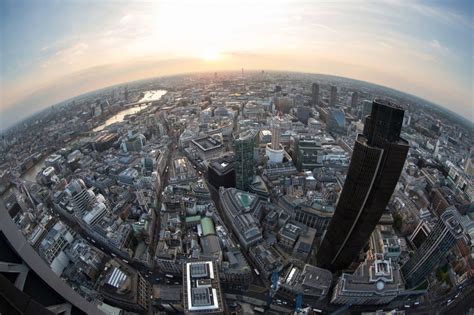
(209, 54)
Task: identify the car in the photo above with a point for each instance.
(407, 306)
(456, 296)
(416, 303)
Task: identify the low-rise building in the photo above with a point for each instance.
(376, 281)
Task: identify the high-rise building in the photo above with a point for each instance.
(221, 172)
(303, 113)
(366, 109)
(82, 199)
(244, 144)
(440, 240)
(333, 98)
(377, 161)
(274, 150)
(315, 94)
(354, 99)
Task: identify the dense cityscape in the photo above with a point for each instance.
(239, 193)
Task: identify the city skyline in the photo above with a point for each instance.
(83, 48)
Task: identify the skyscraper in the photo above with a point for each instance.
(82, 199)
(366, 108)
(354, 99)
(333, 99)
(315, 94)
(377, 161)
(442, 237)
(274, 150)
(244, 146)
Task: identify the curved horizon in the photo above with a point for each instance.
(52, 51)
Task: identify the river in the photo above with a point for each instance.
(153, 95)
(150, 96)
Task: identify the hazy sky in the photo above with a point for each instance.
(53, 50)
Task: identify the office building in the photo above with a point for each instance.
(243, 212)
(82, 199)
(303, 113)
(221, 172)
(201, 288)
(366, 109)
(310, 281)
(336, 120)
(274, 151)
(307, 153)
(267, 260)
(376, 281)
(333, 97)
(207, 147)
(354, 99)
(315, 94)
(377, 161)
(244, 144)
(440, 240)
(124, 287)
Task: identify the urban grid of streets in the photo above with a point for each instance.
(122, 177)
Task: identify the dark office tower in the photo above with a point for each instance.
(377, 161)
(439, 241)
(244, 144)
(355, 99)
(315, 94)
(333, 99)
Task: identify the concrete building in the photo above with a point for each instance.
(267, 260)
(124, 287)
(81, 198)
(315, 94)
(201, 289)
(376, 281)
(439, 241)
(310, 281)
(333, 96)
(274, 150)
(221, 172)
(242, 211)
(207, 147)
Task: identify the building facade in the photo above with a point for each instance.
(244, 164)
(440, 240)
(377, 161)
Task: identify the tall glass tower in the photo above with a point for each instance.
(377, 161)
(244, 144)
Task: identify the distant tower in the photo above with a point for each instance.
(244, 144)
(274, 151)
(441, 239)
(276, 134)
(125, 94)
(376, 164)
(436, 149)
(355, 99)
(366, 109)
(333, 99)
(315, 94)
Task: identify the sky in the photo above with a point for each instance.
(53, 50)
